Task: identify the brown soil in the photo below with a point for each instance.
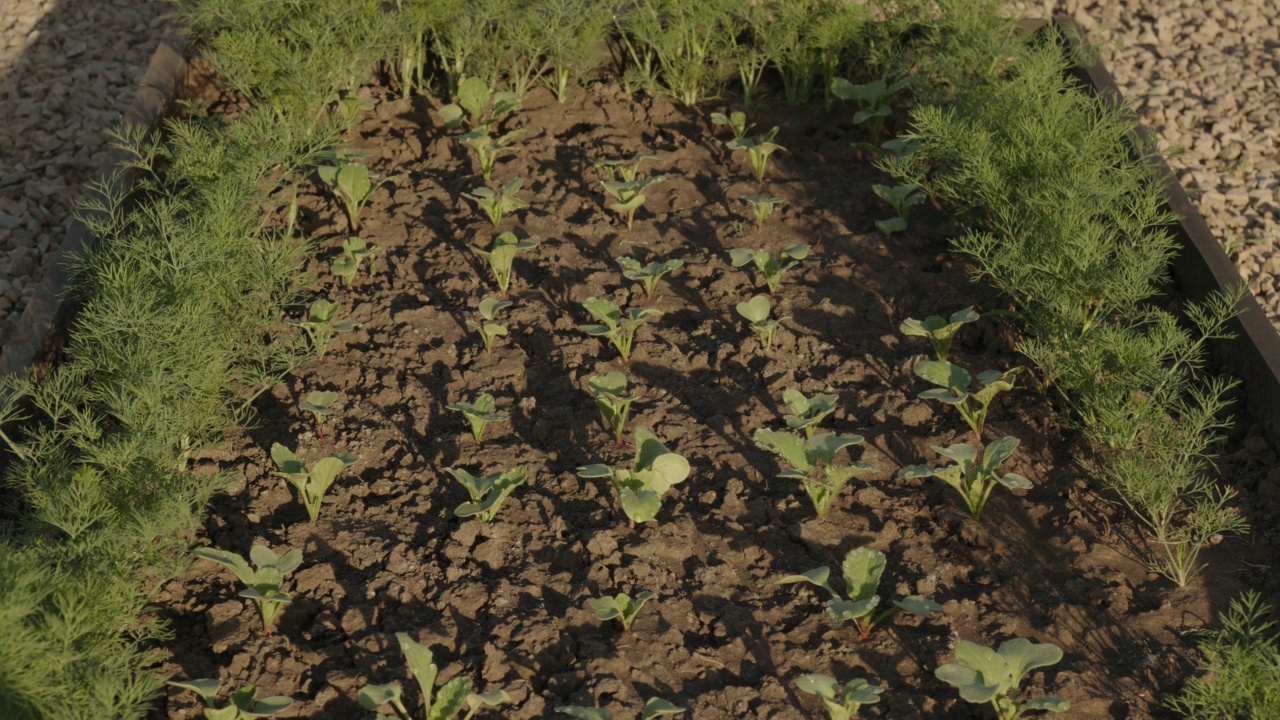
(505, 603)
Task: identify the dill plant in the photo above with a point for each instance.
(1241, 663)
(677, 47)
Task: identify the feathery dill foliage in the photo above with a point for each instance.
(293, 56)
(1241, 664)
(1071, 225)
(179, 302)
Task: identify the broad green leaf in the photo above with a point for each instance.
(1022, 656)
(916, 471)
(648, 448)
(862, 569)
(944, 374)
(852, 609)
(492, 699)
(861, 692)
(595, 471)
(755, 310)
(607, 608)
(999, 451)
(603, 310)
(798, 251)
(670, 469)
(614, 383)
(243, 572)
(421, 663)
(796, 402)
(917, 605)
(960, 452)
(206, 688)
(583, 713)
(945, 395)
(450, 698)
(819, 576)
(286, 460)
(476, 487)
(989, 673)
(473, 95)
(1052, 703)
(657, 707)
(826, 445)
(641, 506)
(1015, 481)
(269, 706)
(451, 115)
(741, 256)
(818, 684)
(790, 446)
(353, 180)
(325, 471)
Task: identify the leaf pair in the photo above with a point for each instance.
(807, 412)
(758, 151)
(771, 268)
(842, 703)
(488, 492)
(352, 184)
(354, 252)
(953, 384)
(939, 331)
(983, 675)
(479, 414)
(641, 487)
(618, 329)
(814, 454)
(243, 705)
(647, 275)
(654, 708)
(320, 325)
(862, 569)
(762, 206)
(756, 311)
(311, 483)
(901, 198)
(442, 704)
(501, 257)
(473, 99)
(972, 477)
(496, 203)
(614, 406)
(262, 581)
(488, 326)
(620, 606)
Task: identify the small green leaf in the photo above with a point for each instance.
(583, 713)
(917, 605)
(657, 707)
(372, 697)
(818, 684)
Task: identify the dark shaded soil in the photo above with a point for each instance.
(505, 603)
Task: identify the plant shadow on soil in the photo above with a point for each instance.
(504, 603)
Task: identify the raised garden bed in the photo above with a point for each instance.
(505, 603)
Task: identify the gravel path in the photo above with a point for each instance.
(1205, 76)
(68, 69)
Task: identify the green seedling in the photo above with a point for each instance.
(953, 384)
(614, 405)
(894, 153)
(762, 206)
(618, 329)
(629, 195)
(770, 268)
(620, 606)
(488, 148)
(312, 483)
(756, 311)
(352, 184)
(640, 488)
(480, 414)
(496, 203)
(758, 151)
(807, 412)
(351, 106)
(735, 121)
(473, 99)
(320, 405)
(901, 198)
(488, 492)
(815, 454)
(862, 569)
(488, 326)
(939, 331)
(623, 169)
(873, 99)
(502, 255)
(443, 704)
(842, 703)
(654, 708)
(320, 326)
(244, 704)
(983, 675)
(647, 275)
(974, 479)
(263, 580)
(354, 252)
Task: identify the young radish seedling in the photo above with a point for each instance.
(862, 569)
(488, 326)
(873, 100)
(640, 488)
(262, 582)
(939, 331)
(816, 453)
(618, 168)
(352, 184)
(758, 151)
(442, 704)
(735, 121)
(496, 203)
(502, 255)
(647, 275)
(983, 675)
(770, 268)
(622, 183)
(473, 99)
(313, 482)
(953, 384)
(762, 206)
(974, 479)
(807, 412)
(654, 708)
(320, 326)
(614, 405)
(480, 414)
(354, 252)
(244, 704)
(487, 492)
(487, 148)
(756, 311)
(842, 703)
(320, 405)
(901, 198)
(618, 329)
(620, 606)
